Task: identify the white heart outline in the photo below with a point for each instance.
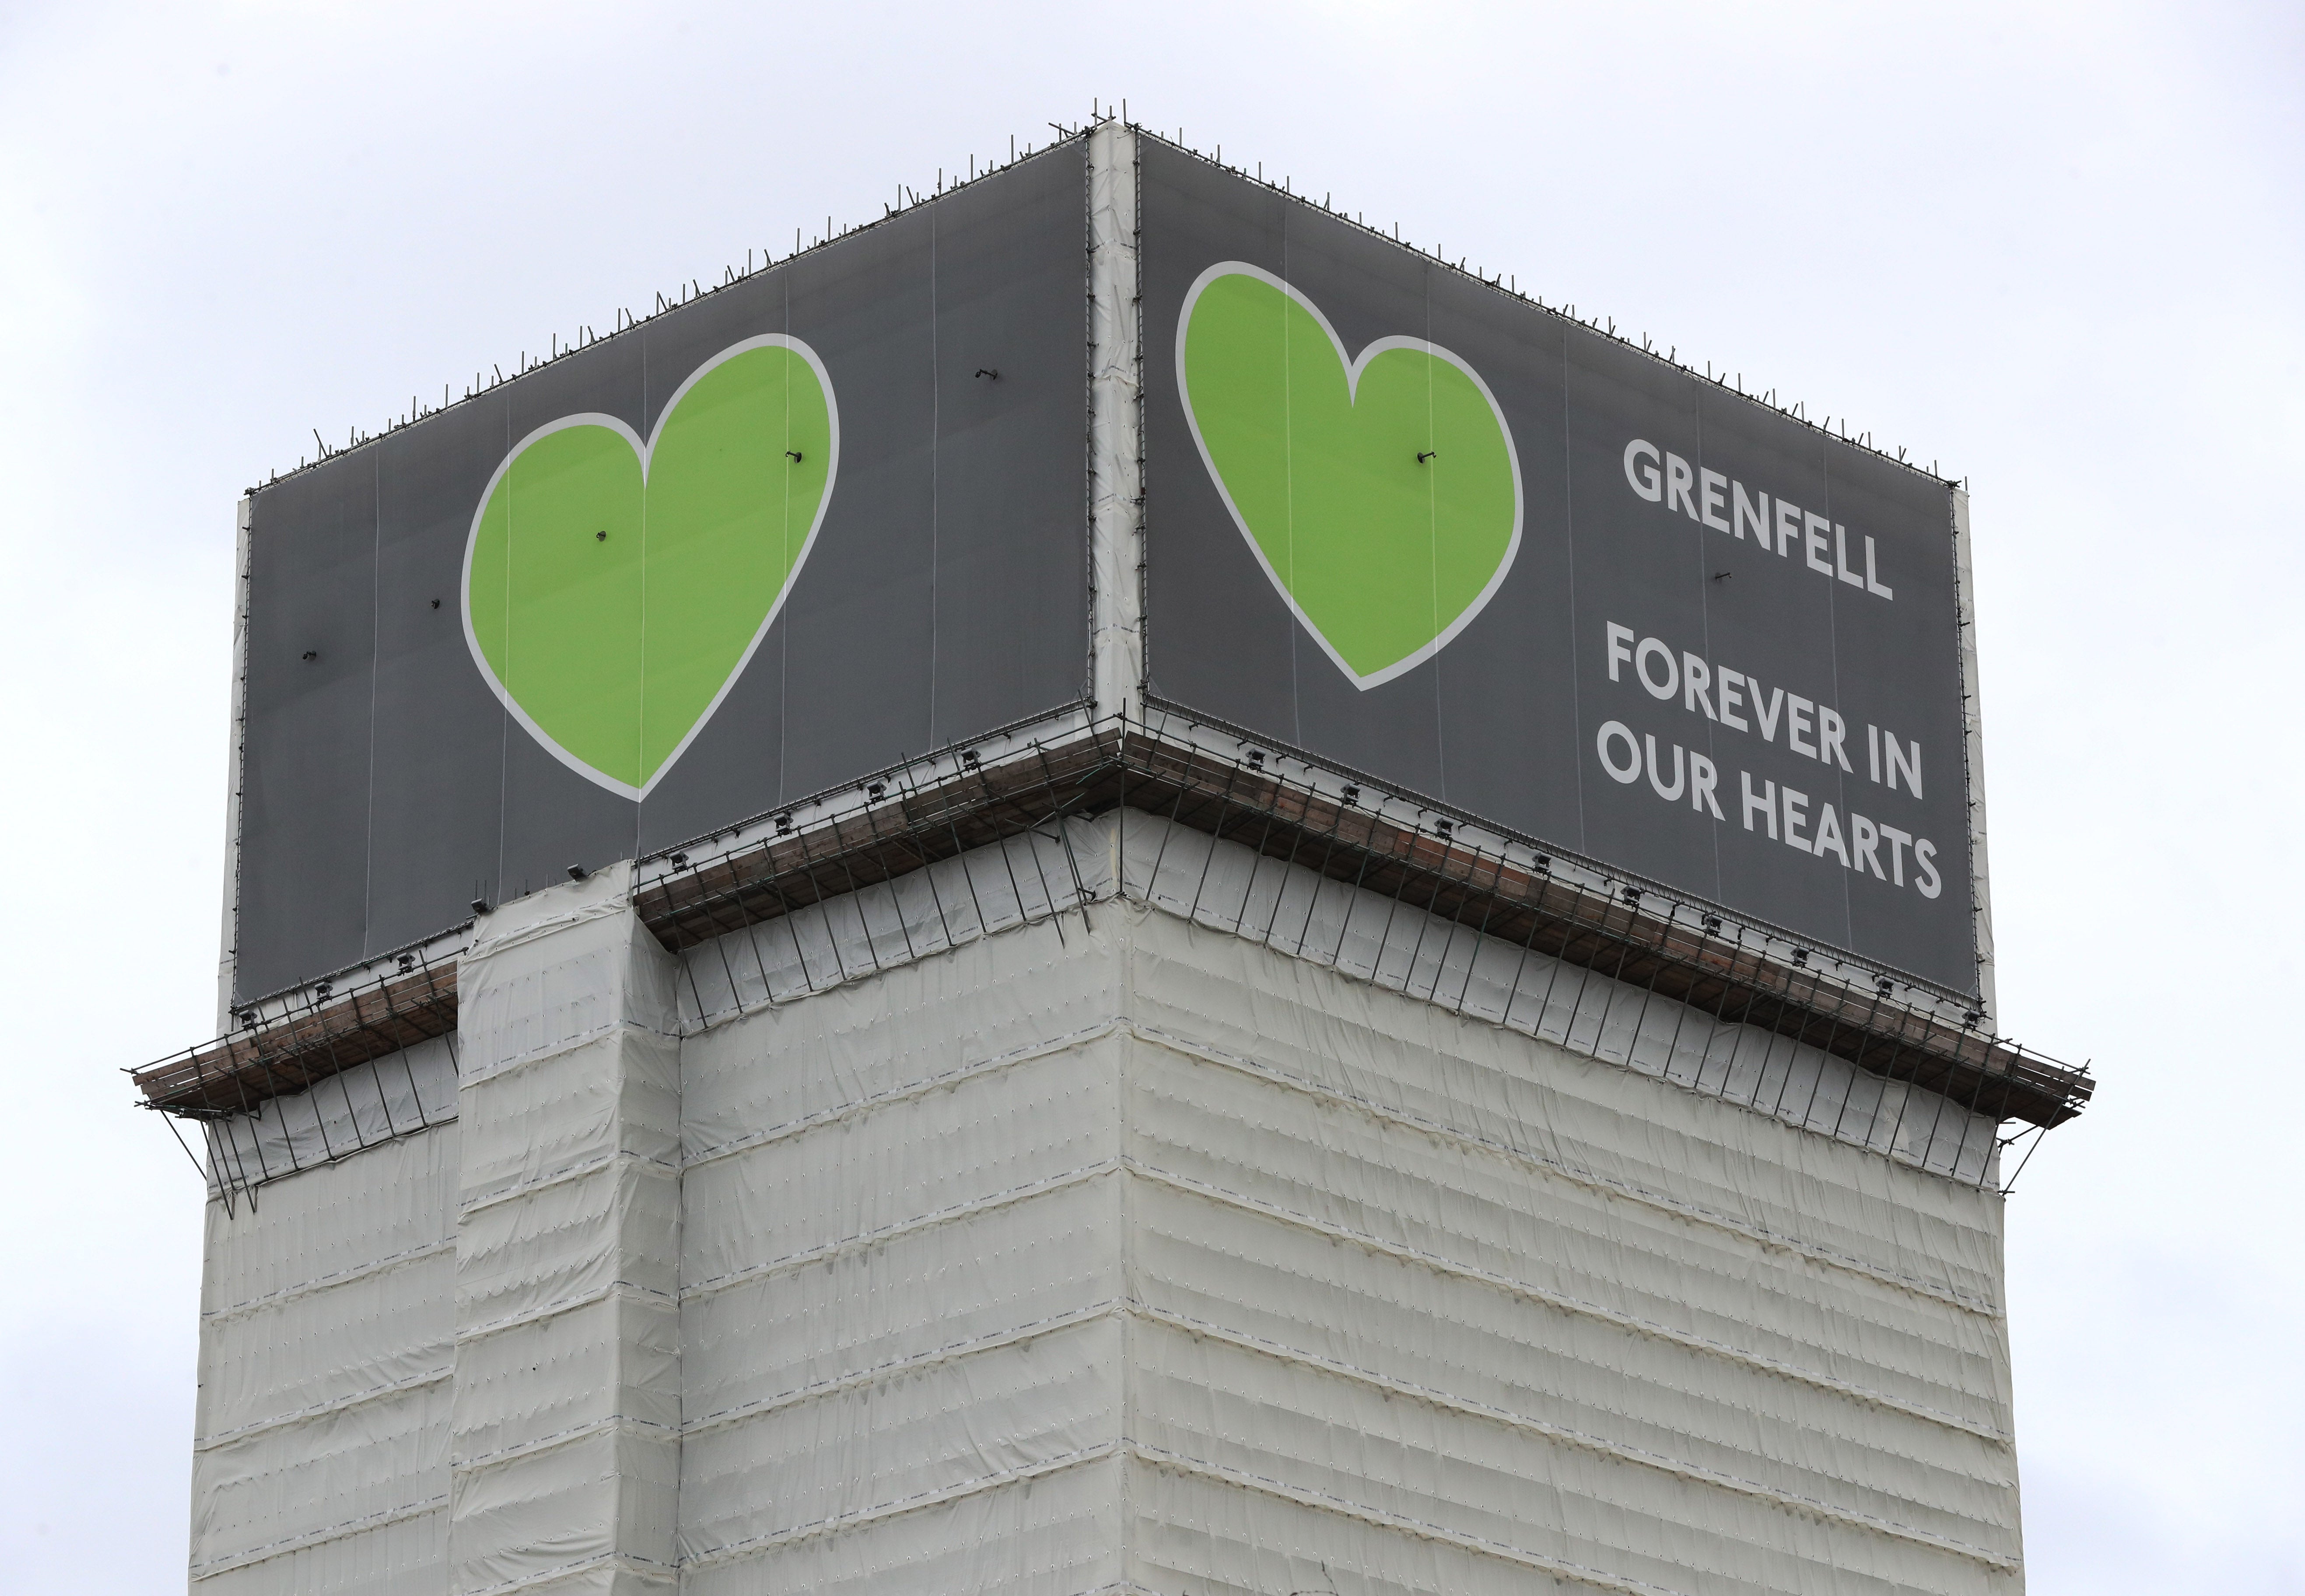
(1353, 369)
(645, 449)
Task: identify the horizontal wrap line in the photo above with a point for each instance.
(552, 1310)
(1678, 1467)
(1602, 1185)
(568, 1173)
(624, 1562)
(899, 1093)
(887, 1233)
(522, 1451)
(288, 1294)
(756, 1544)
(321, 1537)
(905, 1367)
(322, 1410)
(899, 1368)
(1565, 1303)
(1560, 1569)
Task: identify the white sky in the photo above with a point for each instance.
(2059, 249)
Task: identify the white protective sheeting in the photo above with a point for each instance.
(1115, 425)
(395, 1095)
(901, 1265)
(1396, 945)
(1173, 1221)
(564, 1440)
(949, 905)
(320, 1459)
(1363, 934)
(1461, 1316)
(1333, 1287)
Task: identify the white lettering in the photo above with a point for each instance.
(1652, 649)
(1697, 678)
(1797, 725)
(1796, 808)
(1841, 557)
(1814, 730)
(1872, 584)
(1828, 837)
(1702, 779)
(1814, 528)
(1911, 768)
(1868, 842)
(1632, 768)
(1764, 802)
(1829, 731)
(1621, 639)
(1897, 841)
(1925, 853)
(1709, 486)
(1668, 793)
(1644, 478)
(1712, 499)
(1768, 715)
(1678, 480)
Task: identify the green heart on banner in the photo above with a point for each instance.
(1380, 495)
(614, 588)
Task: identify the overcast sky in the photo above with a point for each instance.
(2059, 249)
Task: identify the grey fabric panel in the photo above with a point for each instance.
(438, 790)
(1216, 635)
(304, 793)
(1906, 642)
(856, 654)
(1009, 510)
(1625, 573)
(1503, 721)
(945, 594)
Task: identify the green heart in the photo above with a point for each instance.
(1382, 497)
(614, 651)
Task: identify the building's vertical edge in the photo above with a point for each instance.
(1116, 438)
(1124, 1083)
(564, 1440)
(1980, 874)
(235, 761)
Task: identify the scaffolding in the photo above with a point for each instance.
(898, 830)
(295, 1043)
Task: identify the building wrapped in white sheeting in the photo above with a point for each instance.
(1105, 1248)
(1090, 1160)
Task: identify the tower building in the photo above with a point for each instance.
(1113, 886)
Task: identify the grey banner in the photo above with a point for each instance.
(383, 785)
(1724, 655)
